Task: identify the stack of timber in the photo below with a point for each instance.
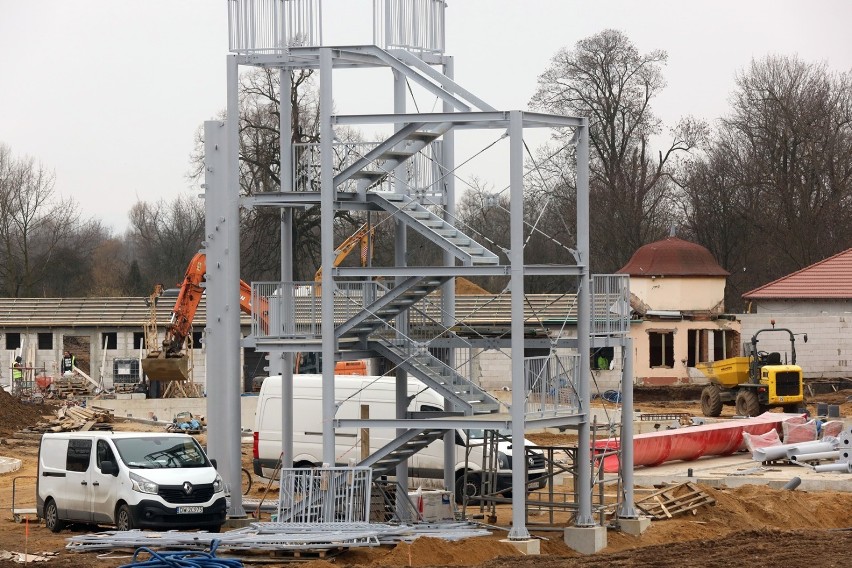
(74, 385)
(75, 418)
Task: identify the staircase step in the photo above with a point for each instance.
(369, 175)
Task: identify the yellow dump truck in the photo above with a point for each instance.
(755, 382)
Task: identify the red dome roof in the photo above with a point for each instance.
(673, 257)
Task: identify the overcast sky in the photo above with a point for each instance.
(110, 93)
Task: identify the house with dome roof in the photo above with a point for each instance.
(677, 298)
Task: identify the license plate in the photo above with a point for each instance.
(189, 510)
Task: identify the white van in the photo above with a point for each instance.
(128, 479)
(379, 393)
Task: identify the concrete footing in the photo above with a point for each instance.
(634, 526)
(238, 522)
(586, 540)
(529, 547)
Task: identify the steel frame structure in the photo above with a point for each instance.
(287, 49)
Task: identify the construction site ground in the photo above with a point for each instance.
(752, 522)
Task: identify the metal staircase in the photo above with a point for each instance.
(395, 301)
(434, 228)
(384, 460)
(416, 360)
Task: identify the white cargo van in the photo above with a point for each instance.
(128, 479)
(379, 394)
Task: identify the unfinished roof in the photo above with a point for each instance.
(473, 309)
(827, 279)
(673, 257)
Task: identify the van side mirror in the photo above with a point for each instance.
(806, 338)
(109, 468)
(213, 461)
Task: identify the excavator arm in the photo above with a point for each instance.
(169, 363)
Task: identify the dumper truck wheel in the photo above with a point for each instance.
(711, 401)
(747, 403)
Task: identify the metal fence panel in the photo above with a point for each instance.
(325, 495)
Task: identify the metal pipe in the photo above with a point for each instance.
(841, 467)
(810, 449)
(777, 452)
(815, 456)
(792, 484)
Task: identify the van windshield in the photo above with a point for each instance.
(160, 452)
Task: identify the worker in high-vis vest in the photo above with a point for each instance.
(17, 374)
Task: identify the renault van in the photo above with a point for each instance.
(128, 479)
(379, 395)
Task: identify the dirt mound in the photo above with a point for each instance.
(667, 393)
(465, 286)
(16, 414)
(427, 551)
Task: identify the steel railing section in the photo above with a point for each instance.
(273, 26)
(413, 25)
(422, 171)
(325, 495)
(610, 300)
(551, 385)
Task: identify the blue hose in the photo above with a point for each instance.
(183, 559)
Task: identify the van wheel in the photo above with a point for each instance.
(124, 518)
(468, 488)
(51, 517)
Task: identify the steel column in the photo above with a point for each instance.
(285, 175)
(327, 254)
(584, 472)
(516, 262)
(448, 297)
(400, 250)
(627, 509)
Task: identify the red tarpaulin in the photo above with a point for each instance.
(692, 442)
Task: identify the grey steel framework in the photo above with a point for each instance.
(388, 177)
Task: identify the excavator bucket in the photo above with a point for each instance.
(162, 369)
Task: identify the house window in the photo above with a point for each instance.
(138, 339)
(726, 344)
(197, 339)
(13, 340)
(661, 349)
(697, 348)
(109, 339)
(45, 341)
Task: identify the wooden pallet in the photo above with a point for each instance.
(674, 500)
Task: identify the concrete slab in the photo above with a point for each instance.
(528, 547)
(634, 526)
(586, 540)
(737, 470)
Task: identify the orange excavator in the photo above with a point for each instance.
(170, 363)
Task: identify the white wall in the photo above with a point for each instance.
(828, 352)
(694, 294)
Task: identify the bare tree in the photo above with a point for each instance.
(164, 236)
(34, 222)
(605, 78)
(773, 192)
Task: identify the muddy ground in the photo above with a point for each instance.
(749, 526)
